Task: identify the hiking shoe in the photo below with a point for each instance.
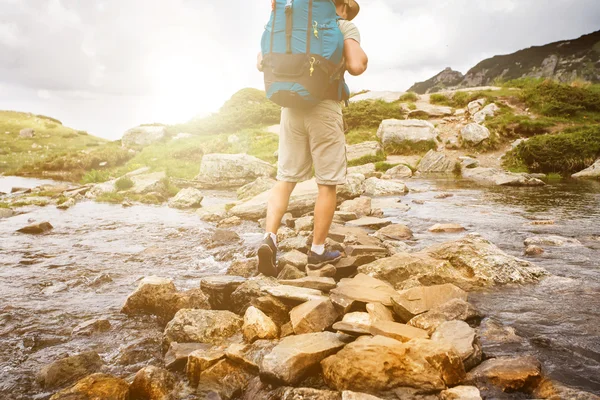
(316, 261)
(267, 257)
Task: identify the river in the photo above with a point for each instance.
(96, 254)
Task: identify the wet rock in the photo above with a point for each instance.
(379, 187)
(143, 136)
(202, 326)
(379, 312)
(225, 379)
(361, 206)
(214, 213)
(534, 250)
(67, 204)
(365, 289)
(447, 228)
(277, 310)
(69, 369)
(507, 374)
(556, 241)
(462, 337)
(317, 283)
(88, 328)
(370, 223)
(364, 149)
(158, 296)
(145, 350)
(313, 316)
(295, 355)
(223, 237)
(243, 296)
(294, 293)
(230, 170)
(493, 176)
(394, 330)
(379, 363)
(556, 391)
(474, 134)
(96, 386)
(461, 393)
(152, 383)
(326, 271)
(219, 288)
(260, 185)
(398, 172)
(245, 268)
(488, 111)
(290, 272)
(298, 243)
(201, 360)
(412, 302)
(37, 228)
(294, 258)
(356, 324)
(178, 353)
(187, 198)
(436, 162)
(257, 325)
(592, 172)
(498, 340)
(394, 232)
(394, 132)
(456, 309)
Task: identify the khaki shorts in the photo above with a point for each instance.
(313, 137)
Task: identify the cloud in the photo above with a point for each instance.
(106, 65)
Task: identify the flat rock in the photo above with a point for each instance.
(313, 316)
(69, 369)
(370, 223)
(436, 162)
(152, 383)
(219, 289)
(304, 224)
(202, 326)
(412, 302)
(295, 293)
(379, 187)
(96, 386)
(456, 309)
(257, 325)
(289, 272)
(260, 185)
(459, 334)
(365, 289)
(493, 176)
(294, 258)
(37, 228)
(379, 312)
(364, 149)
(373, 364)
(394, 330)
(298, 243)
(447, 228)
(362, 250)
(317, 283)
(326, 271)
(508, 374)
(556, 241)
(593, 172)
(356, 323)
(295, 355)
(394, 232)
(231, 170)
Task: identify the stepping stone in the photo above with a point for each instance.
(394, 330)
(313, 316)
(447, 228)
(358, 250)
(37, 228)
(370, 223)
(412, 302)
(311, 282)
(295, 293)
(357, 323)
(379, 312)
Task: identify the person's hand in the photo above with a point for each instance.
(259, 60)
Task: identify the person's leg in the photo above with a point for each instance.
(278, 204)
(324, 210)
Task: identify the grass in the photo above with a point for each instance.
(369, 113)
(383, 166)
(124, 183)
(409, 148)
(95, 176)
(565, 153)
(367, 160)
(360, 135)
(409, 97)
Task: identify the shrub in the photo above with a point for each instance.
(507, 124)
(370, 113)
(554, 99)
(567, 152)
(409, 97)
(124, 183)
(410, 148)
(95, 176)
(440, 99)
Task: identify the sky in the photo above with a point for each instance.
(108, 65)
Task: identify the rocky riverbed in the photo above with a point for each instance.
(150, 302)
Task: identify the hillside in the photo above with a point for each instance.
(564, 61)
(50, 139)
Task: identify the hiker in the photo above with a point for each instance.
(312, 128)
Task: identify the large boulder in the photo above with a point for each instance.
(225, 380)
(96, 386)
(379, 187)
(593, 172)
(152, 383)
(143, 136)
(375, 364)
(260, 185)
(507, 374)
(398, 172)
(219, 289)
(474, 134)
(494, 176)
(488, 111)
(302, 199)
(365, 289)
(474, 106)
(202, 326)
(407, 133)
(462, 337)
(231, 170)
(364, 149)
(456, 309)
(436, 162)
(295, 355)
(187, 198)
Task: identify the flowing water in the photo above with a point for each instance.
(85, 268)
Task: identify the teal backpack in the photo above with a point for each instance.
(303, 49)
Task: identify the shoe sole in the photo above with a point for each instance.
(265, 261)
(324, 263)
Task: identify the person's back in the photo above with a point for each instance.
(313, 137)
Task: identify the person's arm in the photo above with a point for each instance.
(356, 59)
(259, 59)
